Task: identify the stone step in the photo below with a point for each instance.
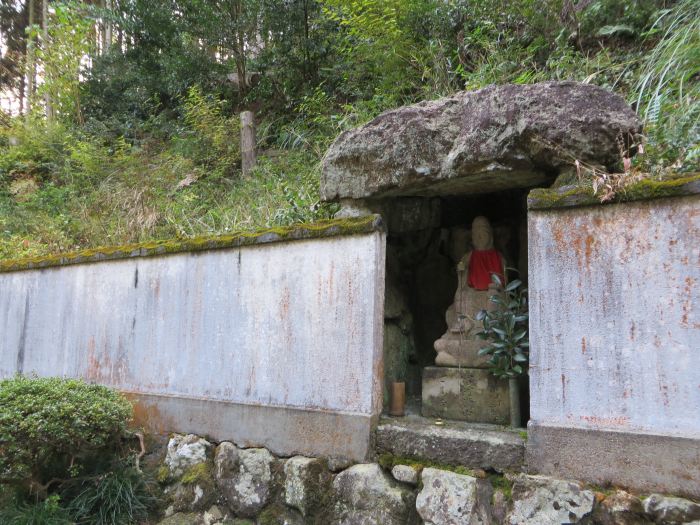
(489, 447)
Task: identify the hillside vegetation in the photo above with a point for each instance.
(132, 133)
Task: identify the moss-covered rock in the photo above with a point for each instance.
(278, 514)
(162, 475)
(496, 138)
(200, 473)
(366, 494)
(186, 451)
(189, 468)
(245, 477)
(447, 497)
(183, 518)
(306, 484)
(196, 496)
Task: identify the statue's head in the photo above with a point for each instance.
(482, 234)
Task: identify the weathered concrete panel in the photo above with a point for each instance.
(282, 430)
(645, 462)
(615, 320)
(294, 326)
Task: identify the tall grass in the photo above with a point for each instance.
(667, 94)
(673, 65)
(118, 497)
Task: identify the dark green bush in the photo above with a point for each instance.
(52, 427)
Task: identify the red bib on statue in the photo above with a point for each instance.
(482, 264)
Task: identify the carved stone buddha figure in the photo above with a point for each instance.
(459, 346)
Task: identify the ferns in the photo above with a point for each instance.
(673, 65)
(667, 93)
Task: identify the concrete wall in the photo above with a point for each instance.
(274, 344)
(615, 343)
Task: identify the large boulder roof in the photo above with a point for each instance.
(496, 138)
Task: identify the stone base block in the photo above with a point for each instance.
(643, 462)
(465, 394)
(455, 443)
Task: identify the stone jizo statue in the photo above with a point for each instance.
(459, 346)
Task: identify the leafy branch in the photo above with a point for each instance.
(506, 330)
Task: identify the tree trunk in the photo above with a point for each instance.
(307, 54)
(248, 156)
(239, 45)
(106, 28)
(22, 88)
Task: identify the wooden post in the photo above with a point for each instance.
(397, 404)
(248, 157)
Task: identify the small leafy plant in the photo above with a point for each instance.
(506, 330)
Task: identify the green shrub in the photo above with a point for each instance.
(50, 428)
(34, 148)
(210, 139)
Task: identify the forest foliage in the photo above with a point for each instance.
(129, 108)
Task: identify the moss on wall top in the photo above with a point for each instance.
(329, 228)
(645, 189)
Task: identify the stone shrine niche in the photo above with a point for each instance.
(427, 238)
(429, 169)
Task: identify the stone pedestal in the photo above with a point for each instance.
(465, 394)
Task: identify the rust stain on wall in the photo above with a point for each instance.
(618, 421)
(589, 249)
(687, 301)
(99, 369)
(148, 415)
(559, 237)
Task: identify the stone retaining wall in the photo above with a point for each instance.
(209, 484)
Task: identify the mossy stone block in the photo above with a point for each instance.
(465, 394)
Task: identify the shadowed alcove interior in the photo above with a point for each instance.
(427, 237)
